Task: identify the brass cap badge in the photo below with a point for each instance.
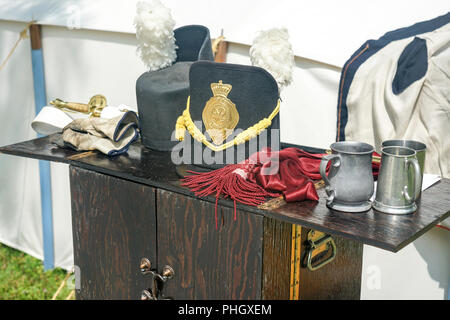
(220, 115)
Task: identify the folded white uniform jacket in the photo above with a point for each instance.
(398, 87)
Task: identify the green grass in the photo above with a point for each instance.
(22, 277)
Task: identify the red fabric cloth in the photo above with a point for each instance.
(288, 171)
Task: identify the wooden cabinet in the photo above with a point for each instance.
(117, 222)
(132, 206)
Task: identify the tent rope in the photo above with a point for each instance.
(61, 286)
(23, 35)
(71, 294)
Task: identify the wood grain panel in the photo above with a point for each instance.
(276, 259)
(340, 279)
(209, 264)
(113, 222)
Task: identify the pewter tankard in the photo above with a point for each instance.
(398, 187)
(349, 184)
(419, 147)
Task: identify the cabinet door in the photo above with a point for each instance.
(209, 263)
(113, 228)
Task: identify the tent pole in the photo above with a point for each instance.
(221, 54)
(40, 101)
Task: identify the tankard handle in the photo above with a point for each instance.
(323, 173)
(417, 180)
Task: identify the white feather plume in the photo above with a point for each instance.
(272, 51)
(154, 31)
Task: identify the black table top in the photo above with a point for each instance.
(154, 168)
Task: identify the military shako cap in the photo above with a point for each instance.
(232, 109)
(161, 95)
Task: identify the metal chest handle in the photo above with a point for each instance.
(315, 244)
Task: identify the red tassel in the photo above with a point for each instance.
(231, 183)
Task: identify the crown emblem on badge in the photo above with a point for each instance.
(220, 115)
(220, 89)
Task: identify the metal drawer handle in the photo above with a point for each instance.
(166, 274)
(321, 242)
(158, 280)
(145, 266)
(147, 295)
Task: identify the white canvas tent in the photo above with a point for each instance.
(89, 47)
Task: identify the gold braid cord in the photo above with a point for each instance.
(185, 122)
